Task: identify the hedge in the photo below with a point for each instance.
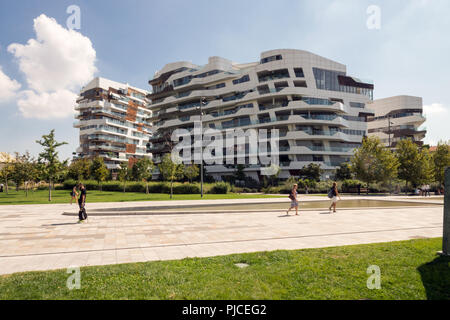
(220, 188)
(134, 186)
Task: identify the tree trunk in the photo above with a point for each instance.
(367, 191)
(171, 189)
(26, 189)
(146, 188)
(124, 186)
(406, 188)
(6, 186)
(50, 190)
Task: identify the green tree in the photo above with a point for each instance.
(80, 169)
(191, 172)
(124, 174)
(372, 162)
(143, 171)
(312, 172)
(50, 166)
(239, 174)
(170, 170)
(343, 172)
(272, 175)
(18, 171)
(24, 170)
(6, 172)
(441, 160)
(427, 172)
(99, 171)
(414, 163)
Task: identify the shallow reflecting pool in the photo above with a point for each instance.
(255, 207)
(322, 204)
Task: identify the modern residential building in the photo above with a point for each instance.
(397, 118)
(320, 111)
(113, 122)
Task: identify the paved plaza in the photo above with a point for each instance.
(40, 237)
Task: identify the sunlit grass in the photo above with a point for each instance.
(63, 196)
(409, 270)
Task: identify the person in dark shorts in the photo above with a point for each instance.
(294, 200)
(82, 215)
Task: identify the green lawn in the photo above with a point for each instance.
(409, 270)
(63, 196)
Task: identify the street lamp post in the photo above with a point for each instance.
(389, 133)
(202, 102)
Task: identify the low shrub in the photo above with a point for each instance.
(351, 185)
(187, 188)
(220, 188)
(136, 186)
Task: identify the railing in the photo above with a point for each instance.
(331, 149)
(273, 106)
(273, 77)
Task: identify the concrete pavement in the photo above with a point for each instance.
(39, 237)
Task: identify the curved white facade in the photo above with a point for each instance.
(319, 110)
(397, 118)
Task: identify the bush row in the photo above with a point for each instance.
(153, 187)
(346, 186)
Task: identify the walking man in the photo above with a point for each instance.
(82, 215)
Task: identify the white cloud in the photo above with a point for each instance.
(46, 105)
(56, 64)
(435, 109)
(8, 87)
(438, 118)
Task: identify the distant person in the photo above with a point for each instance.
(423, 190)
(306, 189)
(359, 189)
(82, 215)
(1, 187)
(73, 194)
(333, 194)
(427, 190)
(294, 202)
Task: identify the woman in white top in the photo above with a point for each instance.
(334, 193)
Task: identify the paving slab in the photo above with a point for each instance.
(39, 237)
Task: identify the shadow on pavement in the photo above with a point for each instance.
(59, 224)
(436, 278)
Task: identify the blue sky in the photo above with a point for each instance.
(132, 39)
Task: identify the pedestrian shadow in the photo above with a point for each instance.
(436, 278)
(327, 212)
(59, 224)
(286, 215)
